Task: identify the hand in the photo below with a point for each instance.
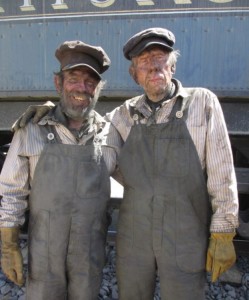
(221, 253)
(12, 265)
(37, 112)
(11, 260)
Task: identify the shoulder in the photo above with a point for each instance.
(122, 112)
(120, 117)
(195, 95)
(202, 97)
(27, 141)
(27, 132)
(200, 92)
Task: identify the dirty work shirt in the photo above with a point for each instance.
(25, 149)
(165, 214)
(207, 129)
(175, 165)
(68, 202)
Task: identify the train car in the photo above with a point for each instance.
(210, 34)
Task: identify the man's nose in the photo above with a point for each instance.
(156, 60)
(81, 86)
(154, 64)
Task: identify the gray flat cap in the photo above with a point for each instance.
(151, 36)
(72, 54)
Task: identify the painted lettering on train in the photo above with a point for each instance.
(53, 7)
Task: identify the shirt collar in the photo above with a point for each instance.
(140, 102)
(55, 116)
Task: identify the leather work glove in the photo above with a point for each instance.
(33, 111)
(221, 253)
(11, 260)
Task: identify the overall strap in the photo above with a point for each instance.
(135, 114)
(180, 109)
(50, 134)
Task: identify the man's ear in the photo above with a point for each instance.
(133, 73)
(57, 83)
(173, 69)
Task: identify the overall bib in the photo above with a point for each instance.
(165, 214)
(68, 221)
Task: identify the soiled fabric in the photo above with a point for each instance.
(63, 178)
(207, 129)
(16, 178)
(68, 222)
(165, 215)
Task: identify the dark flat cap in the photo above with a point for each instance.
(143, 39)
(72, 54)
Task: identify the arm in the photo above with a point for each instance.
(14, 183)
(222, 188)
(112, 144)
(115, 139)
(37, 112)
(222, 184)
(14, 191)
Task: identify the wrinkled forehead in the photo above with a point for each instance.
(155, 49)
(81, 71)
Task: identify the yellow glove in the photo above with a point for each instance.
(221, 253)
(11, 260)
(33, 111)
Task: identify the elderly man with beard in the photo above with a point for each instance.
(59, 169)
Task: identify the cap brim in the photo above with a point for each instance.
(138, 50)
(72, 66)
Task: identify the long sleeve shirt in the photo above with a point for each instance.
(208, 130)
(25, 149)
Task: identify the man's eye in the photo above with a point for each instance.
(143, 62)
(72, 81)
(91, 84)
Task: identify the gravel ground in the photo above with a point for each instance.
(238, 289)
